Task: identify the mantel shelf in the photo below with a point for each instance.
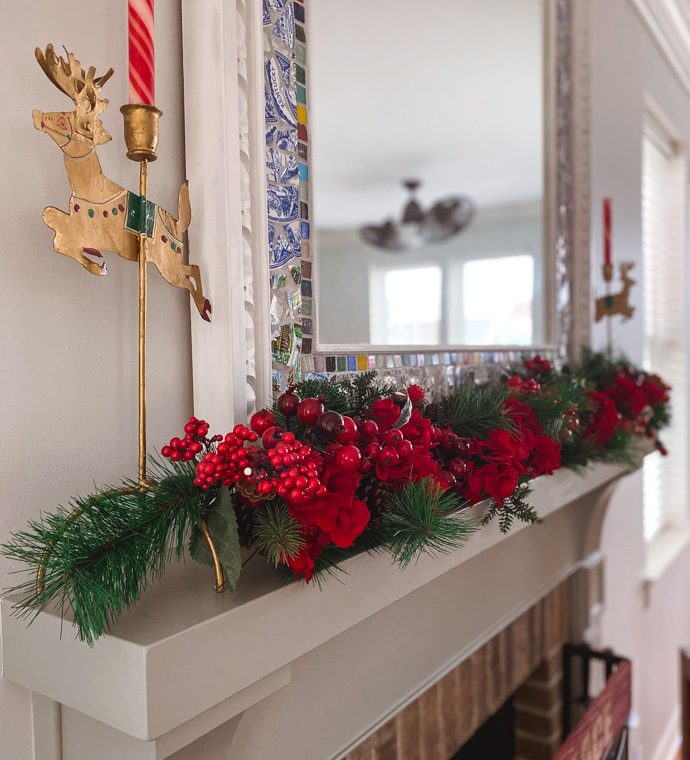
(185, 651)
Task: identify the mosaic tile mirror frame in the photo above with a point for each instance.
(295, 348)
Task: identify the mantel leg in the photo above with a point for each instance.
(46, 718)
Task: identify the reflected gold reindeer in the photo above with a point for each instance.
(617, 303)
(104, 216)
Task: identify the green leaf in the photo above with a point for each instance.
(222, 525)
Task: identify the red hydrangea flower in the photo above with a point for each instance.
(656, 390)
(545, 456)
(522, 415)
(627, 394)
(337, 513)
(419, 430)
(415, 393)
(496, 481)
(386, 412)
(605, 421)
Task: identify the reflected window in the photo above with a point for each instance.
(406, 305)
(498, 297)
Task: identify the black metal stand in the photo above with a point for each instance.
(576, 692)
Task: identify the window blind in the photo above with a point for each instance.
(665, 332)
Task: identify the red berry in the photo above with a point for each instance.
(175, 455)
(349, 432)
(175, 443)
(393, 438)
(389, 456)
(405, 448)
(190, 428)
(166, 451)
(348, 457)
(287, 402)
(309, 410)
(373, 450)
(369, 428)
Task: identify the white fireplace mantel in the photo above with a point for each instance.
(187, 660)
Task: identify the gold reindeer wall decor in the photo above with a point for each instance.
(102, 215)
(617, 303)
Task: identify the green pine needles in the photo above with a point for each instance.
(473, 411)
(98, 554)
(515, 507)
(277, 534)
(420, 518)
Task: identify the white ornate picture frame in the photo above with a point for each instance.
(260, 267)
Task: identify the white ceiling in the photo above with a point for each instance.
(449, 91)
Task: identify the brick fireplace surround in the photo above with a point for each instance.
(524, 659)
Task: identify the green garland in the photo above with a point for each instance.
(94, 557)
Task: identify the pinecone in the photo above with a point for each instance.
(374, 493)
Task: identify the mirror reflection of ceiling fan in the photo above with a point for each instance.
(418, 227)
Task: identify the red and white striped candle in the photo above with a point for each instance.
(142, 67)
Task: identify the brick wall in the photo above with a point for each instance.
(524, 657)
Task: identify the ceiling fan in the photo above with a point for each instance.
(417, 227)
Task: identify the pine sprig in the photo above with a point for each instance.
(100, 553)
(515, 507)
(422, 519)
(551, 407)
(277, 534)
(475, 410)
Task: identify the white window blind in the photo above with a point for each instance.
(665, 334)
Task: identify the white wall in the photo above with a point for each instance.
(627, 65)
(69, 340)
(345, 262)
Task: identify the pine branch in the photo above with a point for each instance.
(277, 534)
(422, 519)
(515, 507)
(474, 410)
(102, 551)
(552, 405)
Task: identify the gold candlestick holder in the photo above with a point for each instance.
(141, 138)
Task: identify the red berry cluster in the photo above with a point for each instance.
(229, 462)
(389, 449)
(517, 384)
(185, 449)
(294, 468)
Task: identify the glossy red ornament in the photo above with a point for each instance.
(262, 420)
(348, 457)
(271, 437)
(330, 424)
(457, 467)
(309, 410)
(288, 402)
(349, 431)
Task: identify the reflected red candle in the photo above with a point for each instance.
(607, 232)
(141, 52)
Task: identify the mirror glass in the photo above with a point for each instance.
(427, 170)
